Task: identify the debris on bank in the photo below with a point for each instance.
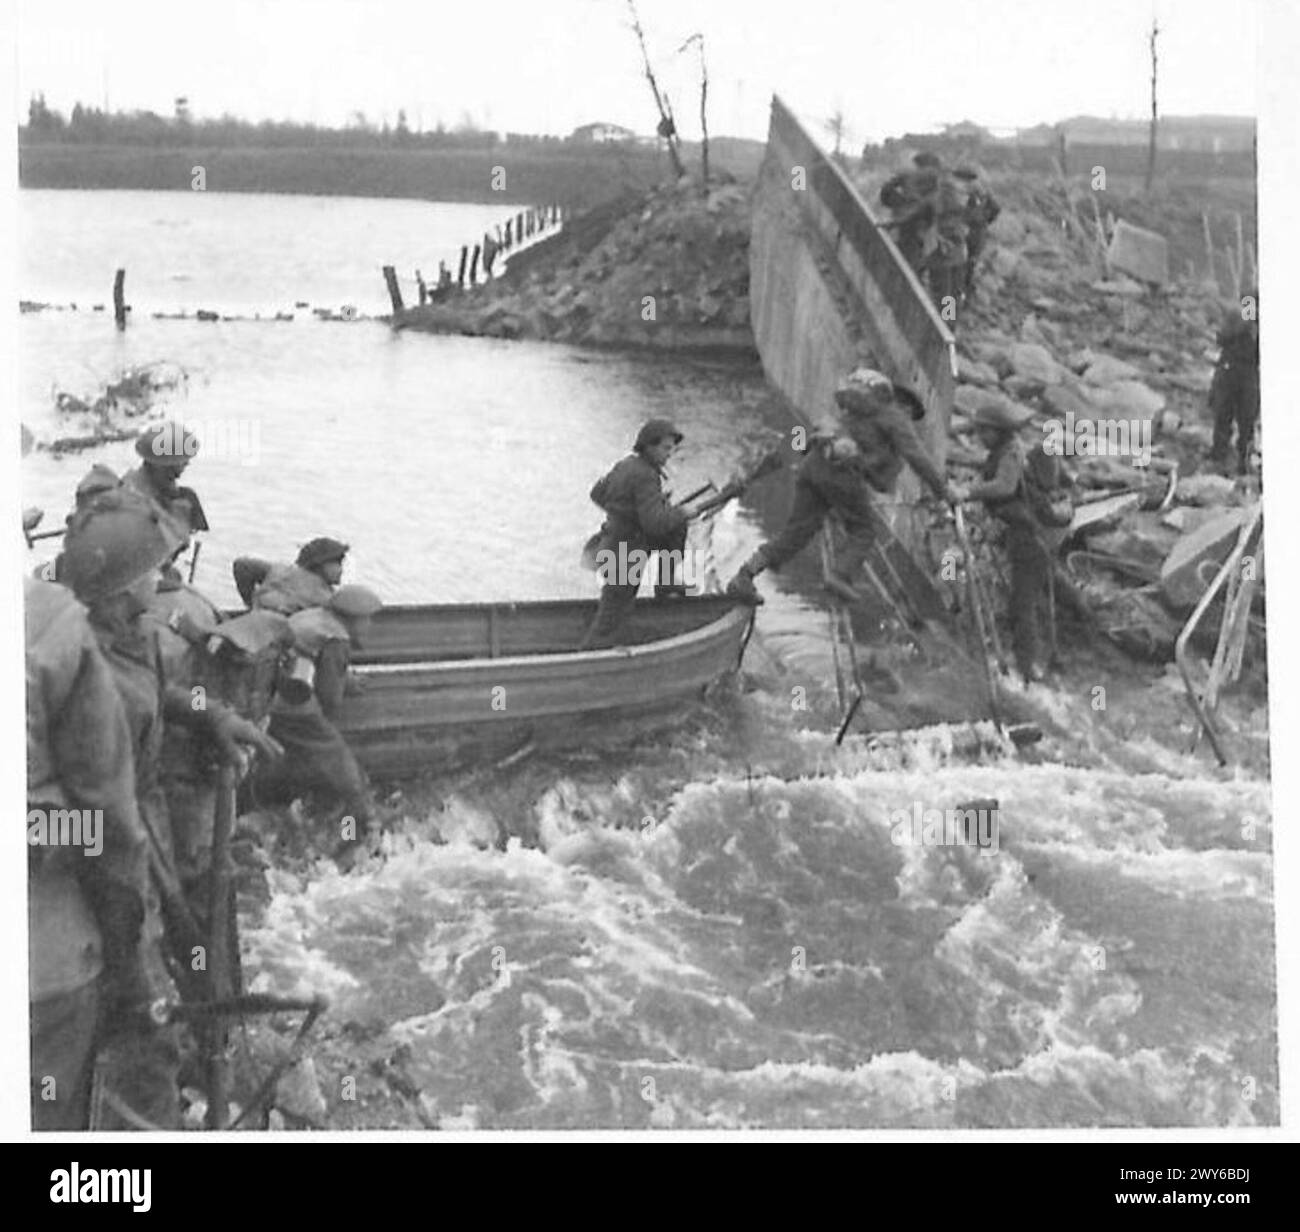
(668, 269)
(116, 410)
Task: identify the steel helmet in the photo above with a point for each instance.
(353, 601)
(864, 389)
(112, 543)
(317, 552)
(167, 444)
(653, 431)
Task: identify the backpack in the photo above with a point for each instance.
(1049, 504)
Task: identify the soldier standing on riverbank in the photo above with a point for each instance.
(639, 519)
(1234, 389)
(982, 210)
(112, 551)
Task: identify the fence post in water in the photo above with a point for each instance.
(424, 290)
(464, 257)
(509, 242)
(519, 227)
(394, 291)
(119, 298)
(473, 266)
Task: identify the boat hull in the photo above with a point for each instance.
(444, 686)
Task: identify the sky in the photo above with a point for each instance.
(551, 65)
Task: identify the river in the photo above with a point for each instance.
(714, 929)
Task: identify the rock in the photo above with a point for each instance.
(1196, 557)
(1023, 388)
(298, 1093)
(1140, 538)
(1068, 398)
(966, 398)
(1029, 359)
(995, 354)
(1127, 400)
(1187, 518)
(1106, 370)
(1207, 490)
(976, 372)
(1124, 287)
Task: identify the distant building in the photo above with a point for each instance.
(600, 133)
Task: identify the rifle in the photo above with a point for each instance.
(769, 462)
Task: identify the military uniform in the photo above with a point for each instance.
(1031, 545)
(84, 913)
(1234, 389)
(841, 475)
(317, 758)
(982, 210)
(639, 518)
(290, 588)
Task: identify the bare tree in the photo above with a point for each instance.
(698, 40)
(667, 129)
(1151, 146)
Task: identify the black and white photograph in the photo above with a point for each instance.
(649, 570)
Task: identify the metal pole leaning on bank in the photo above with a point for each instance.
(980, 616)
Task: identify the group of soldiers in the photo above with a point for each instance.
(841, 479)
(147, 710)
(940, 220)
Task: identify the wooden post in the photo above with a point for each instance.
(424, 290)
(500, 238)
(519, 228)
(1209, 248)
(509, 241)
(464, 257)
(394, 291)
(119, 298)
(473, 266)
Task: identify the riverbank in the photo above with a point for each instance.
(666, 269)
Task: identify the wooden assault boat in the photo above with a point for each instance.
(452, 683)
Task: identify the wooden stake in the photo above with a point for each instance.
(394, 291)
(473, 266)
(464, 257)
(119, 298)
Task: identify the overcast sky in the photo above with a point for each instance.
(550, 65)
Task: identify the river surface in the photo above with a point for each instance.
(714, 929)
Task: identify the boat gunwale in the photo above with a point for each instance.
(612, 655)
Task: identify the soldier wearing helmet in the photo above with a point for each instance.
(112, 551)
(309, 582)
(84, 915)
(309, 700)
(982, 210)
(639, 518)
(165, 450)
(1017, 486)
(841, 473)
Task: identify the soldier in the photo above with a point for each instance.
(841, 472)
(85, 913)
(982, 210)
(909, 198)
(1020, 488)
(639, 519)
(112, 551)
(309, 582)
(165, 451)
(1234, 389)
(307, 703)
